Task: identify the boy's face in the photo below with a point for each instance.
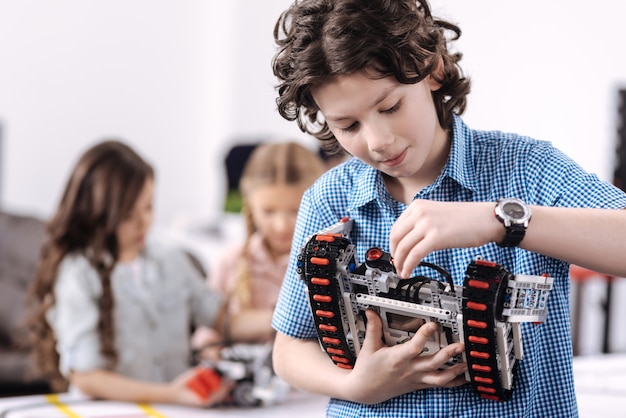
(391, 126)
(132, 230)
(274, 209)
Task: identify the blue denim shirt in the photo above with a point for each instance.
(482, 166)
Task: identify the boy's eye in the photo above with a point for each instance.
(392, 109)
(350, 128)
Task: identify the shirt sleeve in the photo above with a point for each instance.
(557, 180)
(75, 315)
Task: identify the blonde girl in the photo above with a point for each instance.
(272, 184)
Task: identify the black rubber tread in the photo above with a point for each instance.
(327, 247)
(484, 373)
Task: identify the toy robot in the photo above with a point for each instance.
(484, 314)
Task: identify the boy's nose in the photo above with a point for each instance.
(377, 137)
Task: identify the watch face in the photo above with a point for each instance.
(514, 210)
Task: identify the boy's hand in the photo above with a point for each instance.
(379, 364)
(427, 226)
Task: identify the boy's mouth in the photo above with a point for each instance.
(397, 159)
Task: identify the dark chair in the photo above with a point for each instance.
(235, 161)
(21, 238)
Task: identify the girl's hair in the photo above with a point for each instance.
(101, 192)
(271, 164)
(319, 40)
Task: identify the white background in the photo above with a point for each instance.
(181, 80)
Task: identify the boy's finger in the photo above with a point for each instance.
(415, 346)
(374, 332)
(450, 351)
(443, 356)
(450, 377)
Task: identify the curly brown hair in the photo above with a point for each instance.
(101, 191)
(322, 39)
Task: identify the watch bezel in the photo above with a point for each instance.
(507, 219)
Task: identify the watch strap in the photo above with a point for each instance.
(513, 236)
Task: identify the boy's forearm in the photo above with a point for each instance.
(304, 365)
(591, 238)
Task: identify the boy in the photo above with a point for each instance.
(376, 78)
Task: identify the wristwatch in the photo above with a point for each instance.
(515, 216)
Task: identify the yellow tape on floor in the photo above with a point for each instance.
(56, 402)
(150, 411)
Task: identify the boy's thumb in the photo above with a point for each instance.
(373, 332)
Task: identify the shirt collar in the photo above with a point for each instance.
(460, 165)
(368, 184)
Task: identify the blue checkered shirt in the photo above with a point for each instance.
(482, 166)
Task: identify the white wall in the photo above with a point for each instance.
(179, 79)
(155, 73)
(549, 69)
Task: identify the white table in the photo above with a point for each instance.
(600, 388)
(300, 405)
(600, 382)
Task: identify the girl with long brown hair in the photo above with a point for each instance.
(111, 311)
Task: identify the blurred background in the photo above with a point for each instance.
(184, 81)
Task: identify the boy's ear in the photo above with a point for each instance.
(437, 75)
